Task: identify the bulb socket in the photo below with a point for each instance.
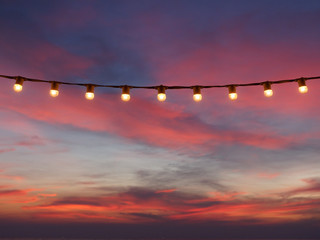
(125, 89)
(302, 82)
(196, 90)
(267, 86)
(161, 89)
(19, 80)
(55, 86)
(232, 89)
(90, 88)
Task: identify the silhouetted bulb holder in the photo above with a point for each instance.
(162, 93)
(232, 93)
(54, 91)
(197, 97)
(302, 86)
(90, 92)
(17, 87)
(267, 89)
(125, 96)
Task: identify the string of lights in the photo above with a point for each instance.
(125, 96)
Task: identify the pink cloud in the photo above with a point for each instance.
(140, 120)
(267, 175)
(10, 177)
(32, 141)
(24, 141)
(7, 150)
(313, 185)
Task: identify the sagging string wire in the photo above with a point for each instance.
(125, 96)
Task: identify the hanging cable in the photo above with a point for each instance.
(161, 88)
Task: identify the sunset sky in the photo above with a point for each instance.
(70, 167)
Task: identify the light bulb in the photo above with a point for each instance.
(267, 89)
(54, 92)
(197, 97)
(161, 93)
(302, 86)
(161, 97)
(232, 93)
(233, 96)
(125, 96)
(17, 87)
(197, 94)
(268, 93)
(303, 89)
(90, 92)
(89, 95)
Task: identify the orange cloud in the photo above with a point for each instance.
(145, 205)
(47, 194)
(10, 177)
(13, 192)
(14, 196)
(167, 190)
(226, 196)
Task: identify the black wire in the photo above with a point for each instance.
(167, 87)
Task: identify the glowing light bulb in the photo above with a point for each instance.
(268, 93)
(233, 96)
(17, 87)
(197, 97)
(162, 97)
(232, 93)
(161, 93)
(303, 89)
(302, 86)
(125, 96)
(267, 89)
(54, 92)
(90, 92)
(89, 95)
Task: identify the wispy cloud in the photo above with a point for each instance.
(142, 204)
